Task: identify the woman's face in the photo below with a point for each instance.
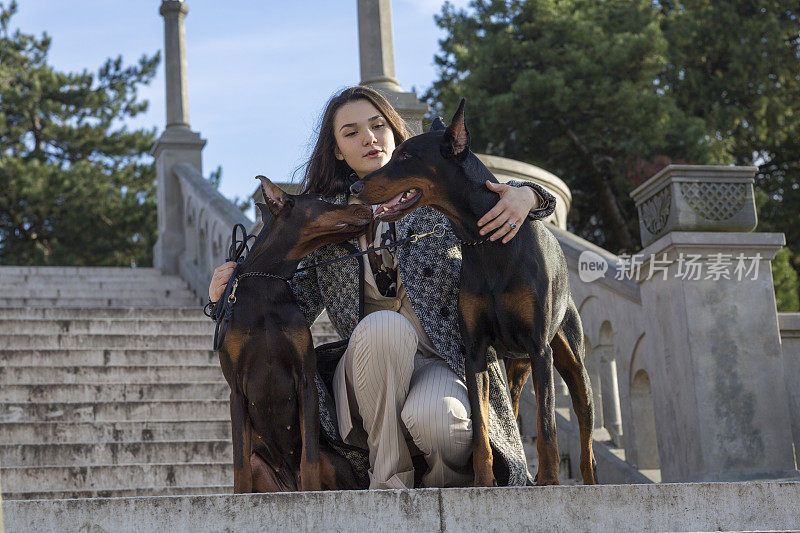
(364, 139)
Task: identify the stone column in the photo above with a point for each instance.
(178, 144)
(720, 402)
(376, 53)
(612, 416)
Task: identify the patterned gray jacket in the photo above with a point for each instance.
(430, 270)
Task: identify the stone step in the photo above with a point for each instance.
(126, 326)
(753, 506)
(69, 271)
(102, 282)
(103, 392)
(119, 493)
(107, 357)
(112, 410)
(106, 476)
(57, 291)
(65, 340)
(114, 326)
(193, 312)
(19, 375)
(100, 301)
(114, 453)
(119, 430)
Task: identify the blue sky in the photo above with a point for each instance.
(259, 72)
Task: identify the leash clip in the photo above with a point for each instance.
(439, 231)
(232, 296)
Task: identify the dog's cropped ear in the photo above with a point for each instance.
(438, 124)
(455, 142)
(276, 200)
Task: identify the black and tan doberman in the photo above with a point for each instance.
(267, 355)
(514, 297)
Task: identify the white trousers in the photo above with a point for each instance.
(387, 394)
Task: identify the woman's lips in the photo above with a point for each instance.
(374, 154)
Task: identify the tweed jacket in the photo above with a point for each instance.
(430, 271)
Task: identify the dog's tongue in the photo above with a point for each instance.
(391, 203)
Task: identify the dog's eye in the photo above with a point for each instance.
(404, 155)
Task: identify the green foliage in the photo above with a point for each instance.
(736, 65)
(569, 86)
(785, 281)
(605, 92)
(78, 188)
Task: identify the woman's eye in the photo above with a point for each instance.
(379, 125)
(350, 134)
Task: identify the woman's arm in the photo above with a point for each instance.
(518, 200)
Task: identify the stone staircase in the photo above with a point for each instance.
(108, 386)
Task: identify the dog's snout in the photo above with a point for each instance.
(356, 188)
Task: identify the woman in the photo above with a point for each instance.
(399, 387)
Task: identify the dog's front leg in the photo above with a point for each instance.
(478, 391)
(241, 430)
(309, 423)
(472, 313)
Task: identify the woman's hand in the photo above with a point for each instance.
(513, 207)
(218, 281)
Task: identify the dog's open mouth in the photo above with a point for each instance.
(398, 204)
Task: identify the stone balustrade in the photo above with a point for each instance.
(208, 220)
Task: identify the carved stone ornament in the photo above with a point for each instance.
(714, 201)
(655, 211)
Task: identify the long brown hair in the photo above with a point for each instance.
(324, 174)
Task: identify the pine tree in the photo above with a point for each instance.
(76, 186)
(571, 86)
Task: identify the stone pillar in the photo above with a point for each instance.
(720, 403)
(376, 53)
(612, 416)
(178, 144)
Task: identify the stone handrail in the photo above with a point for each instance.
(208, 219)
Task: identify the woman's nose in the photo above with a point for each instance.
(369, 138)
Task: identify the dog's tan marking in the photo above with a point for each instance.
(517, 372)
(519, 303)
(234, 344)
(473, 308)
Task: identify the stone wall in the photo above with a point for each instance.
(789, 324)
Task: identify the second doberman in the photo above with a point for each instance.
(268, 358)
(514, 297)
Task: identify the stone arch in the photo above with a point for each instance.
(606, 334)
(202, 241)
(638, 358)
(591, 312)
(644, 422)
(190, 239)
(214, 240)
